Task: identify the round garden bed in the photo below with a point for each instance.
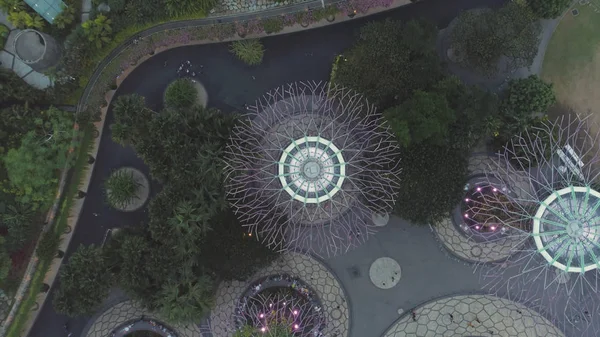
(280, 303)
(143, 327)
(127, 189)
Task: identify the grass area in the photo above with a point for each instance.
(22, 314)
(572, 61)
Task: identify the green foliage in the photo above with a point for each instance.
(390, 61)
(15, 122)
(22, 19)
(181, 94)
(3, 35)
(231, 253)
(187, 300)
(11, 5)
(33, 167)
(433, 179)
(548, 9)
(121, 189)
(425, 116)
(65, 18)
(250, 51)
(84, 282)
(130, 112)
(275, 330)
(98, 31)
(481, 39)
(117, 5)
(322, 13)
(5, 261)
(48, 246)
(177, 8)
(18, 219)
(14, 90)
(523, 107)
(273, 25)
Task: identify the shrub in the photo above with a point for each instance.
(48, 246)
(84, 282)
(3, 35)
(177, 8)
(65, 18)
(181, 94)
(273, 25)
(98, 31)
(548, 9)
(250, 52)
(433, 179)
(390, 61)
(117, 5)
(121, 188)
(481, 39)
(22, 19)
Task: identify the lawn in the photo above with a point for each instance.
(572, 62)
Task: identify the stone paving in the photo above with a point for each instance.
(463, 247)
(127, 311)
(311, 271)
(473, 315)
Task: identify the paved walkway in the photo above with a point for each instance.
(473, 315)
(128, 311)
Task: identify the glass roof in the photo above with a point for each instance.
(48, 9)
(566, 229)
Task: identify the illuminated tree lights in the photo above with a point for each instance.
(551, 213)
(280, 306)
(311, 166)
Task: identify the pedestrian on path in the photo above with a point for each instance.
(95, 214)
(414, 315)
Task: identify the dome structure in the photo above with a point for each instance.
(38, 50)
(552, 217)
(311, 165)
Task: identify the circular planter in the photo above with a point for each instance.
(380, 220)
(202, 97)
(330, 18)
(304, 24)
(142, 192)
(385, 273)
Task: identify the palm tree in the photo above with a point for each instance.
(98, 31)
(190, 218)
(188, 300)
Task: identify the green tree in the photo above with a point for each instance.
(18, 218)
(22, 19)
(187, 300)
(390, 60)
(425, 116)
(249, 51)
(230, 252)
(33, 167)
(98, 31)
(548, 9)
(181, 94)
(84, 282)
(481, 39)
(11, 5)
(433, 179)
(5, 261)
(121, 189)
(131, 119)
(65, 18)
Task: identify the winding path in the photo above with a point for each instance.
(230, 84)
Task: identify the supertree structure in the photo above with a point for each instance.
(550, 208)
(280, 312)
(310, 167)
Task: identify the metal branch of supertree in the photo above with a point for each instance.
(310, 167)
(549, 205)
(275, 313)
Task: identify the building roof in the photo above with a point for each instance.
(48, 9)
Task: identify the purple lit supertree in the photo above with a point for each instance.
(311, 167)
(282, 312)
(550, 210)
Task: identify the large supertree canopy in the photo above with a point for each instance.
(310, 167)
(550, 209)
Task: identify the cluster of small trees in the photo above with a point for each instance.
(34, 146)
(437, 119)
(192, 240)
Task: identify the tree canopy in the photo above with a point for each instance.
(548, 9)
(483, 39)
(390, 60)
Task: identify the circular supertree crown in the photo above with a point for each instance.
(552, 216)
(310, 167)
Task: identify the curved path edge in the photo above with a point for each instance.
(77, 205)
(474, 313)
